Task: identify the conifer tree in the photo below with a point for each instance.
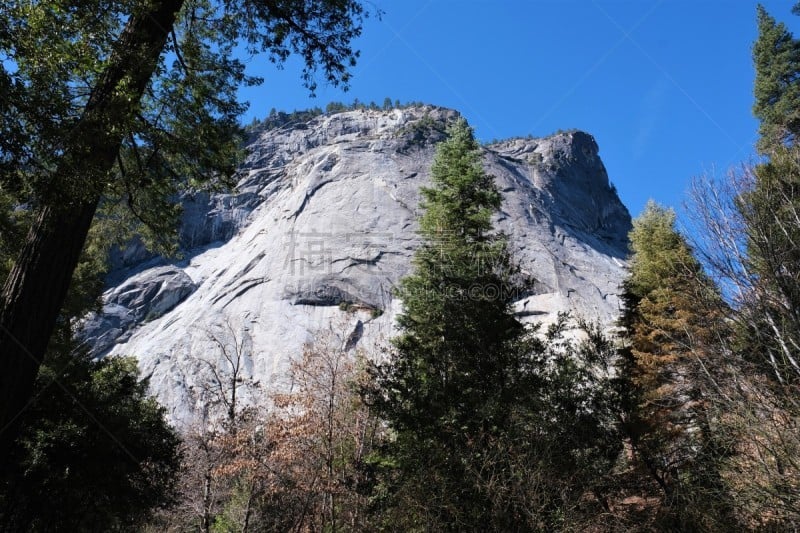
(487, 418)
(670, 315)
(771, 330)
(453, 377)
(457, 320)
(776, 56)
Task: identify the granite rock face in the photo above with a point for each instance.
(323, 225)
(140, 298)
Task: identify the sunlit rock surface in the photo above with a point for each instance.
(323, 225)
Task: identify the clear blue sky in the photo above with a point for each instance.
(664, 86)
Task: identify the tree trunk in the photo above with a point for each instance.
(34, 292)
(205, 524)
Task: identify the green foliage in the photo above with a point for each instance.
(423, 131)
(495, 427)
(442, 323)
(14, 222)
(388, 105)
(103, 103)
(336, 107)
(776, 56)
(96, 453)
(55, 54)
(670, 315)
(236, 505)
(658, 250)
(278, 119)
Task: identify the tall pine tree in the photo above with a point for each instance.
(670, 315)
(493, 427)
(770, 209)
(453, 376)
(776, 57)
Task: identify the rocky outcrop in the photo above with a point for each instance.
(323, 225)
(139, 299)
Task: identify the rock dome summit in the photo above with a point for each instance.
(322, 225)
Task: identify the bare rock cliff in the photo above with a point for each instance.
(323, 225)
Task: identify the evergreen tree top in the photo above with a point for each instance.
(658, 250)
(776, 58)
(464, 197)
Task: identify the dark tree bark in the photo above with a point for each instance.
(34, 292)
